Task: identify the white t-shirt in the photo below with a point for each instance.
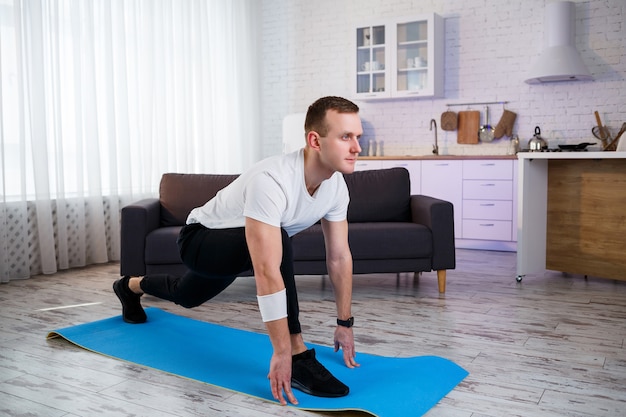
(273, 191)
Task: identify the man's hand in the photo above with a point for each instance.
(280, 378)
(344, 339)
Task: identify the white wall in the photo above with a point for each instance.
(490, 45)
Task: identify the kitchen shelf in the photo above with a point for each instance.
(411, 43)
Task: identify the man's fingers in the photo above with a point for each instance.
(290, 396)
(277, 392)
(348, 358)
(354, 363)
(349, 355)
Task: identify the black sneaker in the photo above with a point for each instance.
(311, 377)
(132, 312)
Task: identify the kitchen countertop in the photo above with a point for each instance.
(572, 155)
(520, 155)
(433, 157)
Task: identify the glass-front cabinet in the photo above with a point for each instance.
(400, 58)
(372, 78)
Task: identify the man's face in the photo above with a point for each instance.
(340, 148)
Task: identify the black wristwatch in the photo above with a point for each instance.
(346, 323)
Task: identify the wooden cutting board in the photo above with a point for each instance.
(468, 126)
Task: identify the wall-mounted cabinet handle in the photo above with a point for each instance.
(487, 224)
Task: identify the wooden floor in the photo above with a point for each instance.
(552, 345)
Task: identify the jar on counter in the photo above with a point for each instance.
(514, 145)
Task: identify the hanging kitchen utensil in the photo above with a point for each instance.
(602, 131)
(469, 122)
(505, 125)
(486, 132)
(537, 143)
(449, 120)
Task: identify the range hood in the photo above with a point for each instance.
(560, 60)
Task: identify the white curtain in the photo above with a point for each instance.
(99, 99)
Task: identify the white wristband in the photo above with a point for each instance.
(273, 306)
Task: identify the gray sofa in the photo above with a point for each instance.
(390, 231)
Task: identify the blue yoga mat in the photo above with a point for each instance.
(238, 360)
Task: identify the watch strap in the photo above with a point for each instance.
(346, 323)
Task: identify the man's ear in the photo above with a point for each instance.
(313, 140)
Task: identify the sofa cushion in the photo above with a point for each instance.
(390, 240)
(181, 193)
(385, 240)
(161, 246)
(379, 195)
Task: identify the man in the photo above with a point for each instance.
(249, 224)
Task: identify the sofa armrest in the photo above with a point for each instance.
(137, 220)
(438, 215)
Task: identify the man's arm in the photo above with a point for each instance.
(339, 264)
(265, 247)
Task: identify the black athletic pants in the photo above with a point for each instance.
(215, 257)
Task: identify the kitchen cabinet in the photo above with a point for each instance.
(399, 58)
(515, 201)
(571, 208)
(367, 165)
(443, 179)
(488, 200)
(372, 74)
(415, 172)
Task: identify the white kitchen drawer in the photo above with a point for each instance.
(487, 229)
(488, 209)
(442, 178)
(488, 169)
(487, 190)
(368, 165)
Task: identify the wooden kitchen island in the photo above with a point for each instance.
(572, 213)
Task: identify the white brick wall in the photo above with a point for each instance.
(489, 47)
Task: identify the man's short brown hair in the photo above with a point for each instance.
(316, 115)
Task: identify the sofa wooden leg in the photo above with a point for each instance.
(441, 280)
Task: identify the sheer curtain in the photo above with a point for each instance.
(99, 99)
